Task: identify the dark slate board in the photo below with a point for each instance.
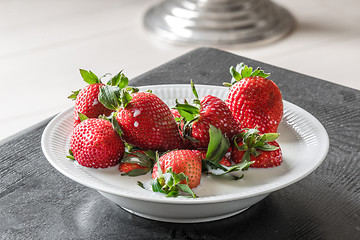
(38, 202)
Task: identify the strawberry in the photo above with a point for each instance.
(127, 168)
(187, 143)
(145, 120)
(254, 100)
(137, 163)
(198, 116)
(175, 113)
(177, 170)
(86, 99)
(216, 158)
(94, 143)
(261, 149)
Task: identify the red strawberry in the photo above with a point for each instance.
(216, 158)
(125, 168)
(94, 143)
(137, 163)
(181, 161)
(254, 100)
(225, 161)
(87, 103)
(265, 159)
(175, 113)
(187, 143)
(86, 99)
(198, 117)
(148, 123)
(262, 150)
(145, 120)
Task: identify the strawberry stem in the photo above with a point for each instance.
(252, 141)
(242, 71)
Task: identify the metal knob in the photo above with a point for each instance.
(218, 22)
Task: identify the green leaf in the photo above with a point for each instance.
(239, 67)
(155, 185)
(260, 73)
(169, 179)
(243, 71)
(71, 155)
(219, 171)
(173, 193)
(136, 172)
(140, 184)
(115, 124)
(246, 71)
(268, 148)
(110, 97)
(254, 152)
(194, 90)
(236, 75)
(124, 81)
(169, 183)
(136, 160)
(218, 145)
(187, 129)
(74, 94)
(132, 90)
(187, 111)
(139, 158)
(158, 165)
(125, 98)
(270, 137)
(119, 80)
(150, 154)
(226, 84)
(185, 188)
(82, 116)
(215, 140)
(242, 147)
(250, 133)
(89, 77)
(246, 157)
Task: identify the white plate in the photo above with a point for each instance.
(303, 140)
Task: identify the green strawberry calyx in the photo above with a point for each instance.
(89, 77)
(169, 184)
(217, 148)
(82, 117)
(242, 71)
(252, 141)
(144, 159)
(190, 113)
(118, 96)
(71, 155)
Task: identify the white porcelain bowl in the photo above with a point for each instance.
(303, 140)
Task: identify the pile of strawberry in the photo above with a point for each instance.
(115, 124)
